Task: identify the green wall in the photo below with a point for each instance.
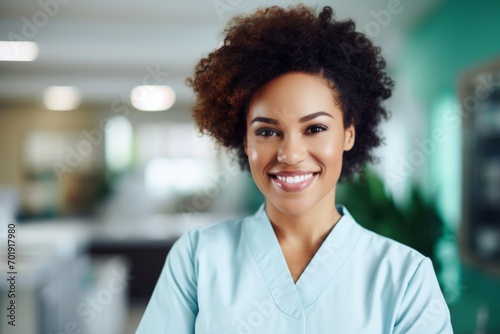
(460, 36)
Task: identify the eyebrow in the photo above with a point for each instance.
(301, 120)
(313, 116)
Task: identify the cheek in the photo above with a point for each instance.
(253, 154)
(258, 154)
(329, 150)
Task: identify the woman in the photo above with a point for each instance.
(298, 99)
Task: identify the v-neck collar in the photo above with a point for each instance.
(292, 298)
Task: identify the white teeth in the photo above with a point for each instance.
(294, 179)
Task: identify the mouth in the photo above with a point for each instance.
(293, 181)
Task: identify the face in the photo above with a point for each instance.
(295, 140)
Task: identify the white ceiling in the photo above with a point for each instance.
(105, 47)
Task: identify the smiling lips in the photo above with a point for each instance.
(293, 181)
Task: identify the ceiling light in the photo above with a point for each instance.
(62, 98)
(18, 51)
(152, 98)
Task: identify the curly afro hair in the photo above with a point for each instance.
(273, 41)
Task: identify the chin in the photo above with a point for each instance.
(291, 207)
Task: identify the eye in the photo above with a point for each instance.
(316, 128)
(266, 132)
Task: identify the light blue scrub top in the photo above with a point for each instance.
(232, 278)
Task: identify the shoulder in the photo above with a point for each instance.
(387, 247)
(228, 228)
(379, 244)
(217, 234)
(408, 276)
(391, 252)
(381, 253)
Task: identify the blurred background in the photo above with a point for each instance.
(101, 167)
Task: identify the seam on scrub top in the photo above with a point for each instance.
(331, 279)
(195, 267)
(406, 290)
(267, 284)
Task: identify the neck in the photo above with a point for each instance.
(308, 229)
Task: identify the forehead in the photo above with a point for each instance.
(294, 94)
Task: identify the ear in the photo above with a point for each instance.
(245, 147)
(349, 137)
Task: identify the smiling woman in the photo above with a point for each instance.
(300, 112)
(296, 156)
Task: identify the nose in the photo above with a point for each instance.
(292, 151)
